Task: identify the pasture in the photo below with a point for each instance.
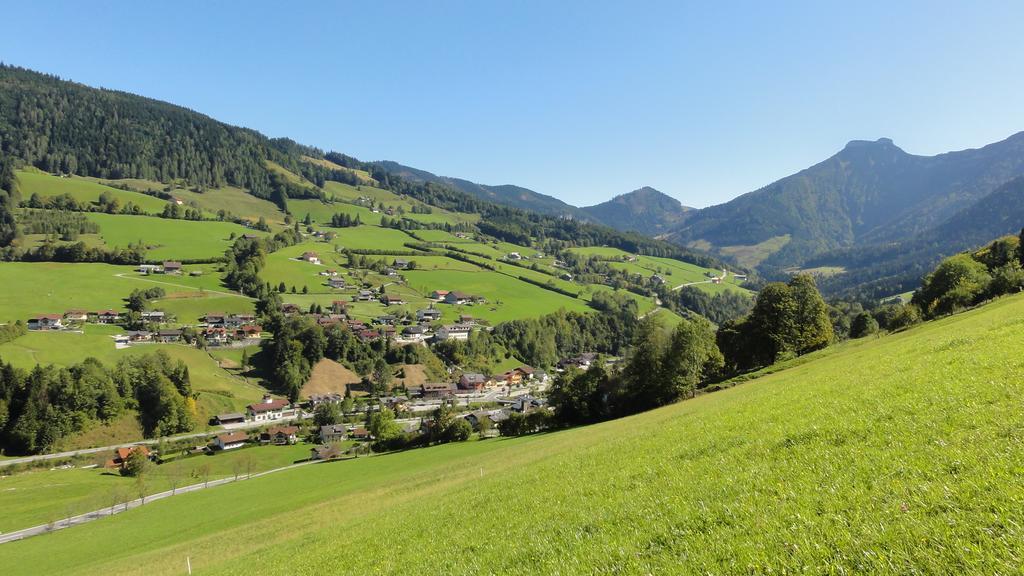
(889, 455)
(168, 239)
(83, 190)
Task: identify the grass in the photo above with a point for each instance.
(52, 287)
(894, 455)
(83, 190)
(38, 497)
(752, 255)
(166, 238)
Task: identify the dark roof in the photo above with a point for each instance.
(232, 437)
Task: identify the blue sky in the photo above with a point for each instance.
(580, 100)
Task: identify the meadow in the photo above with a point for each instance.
(166, 238)
(891, 455)
(83, 190)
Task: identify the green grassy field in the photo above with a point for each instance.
(53, 287)
(167, 239)
(43, 496)
(46, 185)
(892, 455)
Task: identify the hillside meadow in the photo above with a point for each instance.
(892, 455)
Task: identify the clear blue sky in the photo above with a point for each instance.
(581, 100)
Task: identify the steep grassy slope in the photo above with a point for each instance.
(894, 455)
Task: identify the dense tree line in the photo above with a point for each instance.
(8, 200)
(343, 220)
(40, 407)
(968, 278)
(719, 307)
(59, 223)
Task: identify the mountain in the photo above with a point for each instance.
(506, 194)
(644, 210)
(870, 192)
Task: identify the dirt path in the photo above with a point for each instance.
(192, 288)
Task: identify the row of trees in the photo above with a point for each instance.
(966, 279)
(40, 407)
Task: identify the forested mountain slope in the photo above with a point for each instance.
(644, 210)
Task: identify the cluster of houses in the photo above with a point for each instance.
(72, 318)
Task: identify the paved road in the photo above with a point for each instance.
(125, 506)
(58, 455)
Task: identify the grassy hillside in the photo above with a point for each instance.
(894, 455)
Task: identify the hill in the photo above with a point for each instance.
(868, 193)
(644, 210)
(882, 455)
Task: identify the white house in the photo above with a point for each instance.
(267, 409)
(230, 440)
(453, 332)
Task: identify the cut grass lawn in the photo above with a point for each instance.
(891, 455)
(167, 238)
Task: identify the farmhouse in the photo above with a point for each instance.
(332, 433)
(139, 336)
(215, 336)
(583, 361)
(389, 300)
(515, 256)
(364, 296)
(46, 322)
(230, 418)
(230, 440)
(172, 267)
(438, 294)
(457, 297)
(121, 455)
(472, 381)
(657, 279)
(428, 314)
(453, 332)
(280, 435)
(149, 269)
(311, 257)
(153, 315)
(290, 309)
(517, 376)
(214, 318)
(267, 409)
(437, 390)
(336, 282)
(332, 398)
(76, 316)
(526, 403)
(359, 433)
(414, 333)
(107, 317)
(247, 332)
(168, 336)
(400, 263)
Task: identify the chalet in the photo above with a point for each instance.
(396, 403)
(415, 333)
(168, 336)
(457, 297)
(400, 263)
(250, 236)
(331, 398)
(149, 269)
(364, 296)
(466, 319)
(583, 361)
(437, 390)
(311, 257)
(472, 381)
(476, 416)
(230, 440)
(46, 322)
(716, 279)
(512, 378)
(290, 309)
(388, 319)
(439, 294)
(172, 267)
(76, 316)
(280, 435)
(121, 455)
(566, 276)
(335, 282)
(216, 335)
(368, 335)
(332, 433)
(230, 418)
(428, 314)
(389, 271)
(267, 409)
(515, 256)
(215, 318)
(657, 279)
(237, 320)
(389, 300)
(107, 317)
(328, 452)
(134, 336)
(248, 332)
(153, 315)
(526, 403)
(356, 325)
(329, 319)
(453, 332)
(339, 306)
(359, 433)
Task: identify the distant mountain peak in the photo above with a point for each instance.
(880, 143)
(645, 210)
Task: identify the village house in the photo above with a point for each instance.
(400, 263)
(364, 296)
(453, 332)
(473, 381)
(318, 399)
(46, 322)
(76, 316)
(389, 300)
(428, 315)
(525, 404)
(583, 361)
(215, 336)
(516, 376)
(332, 433)
(230, 418)
(280, 435)
(657, 279)
(247, 333)
(336, 282)
(153, 316)
(172, 267)
(230, 440)
(515, 256)
(358, 433)
(214, 318)
(267, 409)
(457, 297)
(136, 336)
(328, 452)
(476, 416)
(368, 335)
(290, 309)
(414, 333)
(437, 390)
(388, 319)
(439, 294)
(168, 336)
(566, 276)
(311, 257)
(149, 269)
(121, 455)
(108, 317)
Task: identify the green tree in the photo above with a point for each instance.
(813, 328)
(864, 324)
(136, 465)
(692, 356)
(959, 281)
(382, 426)
(326, 414)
